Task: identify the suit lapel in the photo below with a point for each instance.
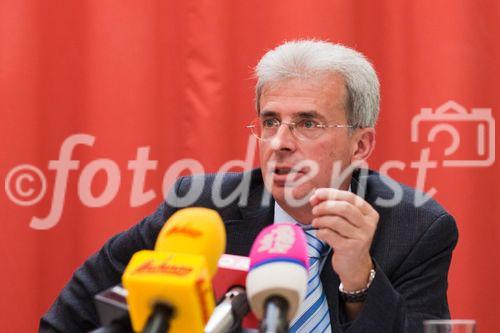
(252, 217)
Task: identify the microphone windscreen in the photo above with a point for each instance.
(194, 230)
(178, 280)
(232, 271)
(178, 272)
(278, 267)
(280, 242)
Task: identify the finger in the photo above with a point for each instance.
(332, 238)
(338, 224)
(340, 208)
(323, 194)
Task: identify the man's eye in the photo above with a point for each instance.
(306, 123)
(269, 122)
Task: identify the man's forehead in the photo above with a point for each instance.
(310, 89)
(310, 97)
(313, 80)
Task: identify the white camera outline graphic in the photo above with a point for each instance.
(452, 111)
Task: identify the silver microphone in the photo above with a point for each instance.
(229, 313)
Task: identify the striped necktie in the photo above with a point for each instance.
(313, 314)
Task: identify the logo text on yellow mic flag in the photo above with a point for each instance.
(179, 280)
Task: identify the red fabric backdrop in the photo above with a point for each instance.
(175, 76)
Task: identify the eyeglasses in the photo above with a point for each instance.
(303, 129)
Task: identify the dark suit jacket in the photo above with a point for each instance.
(411, 249)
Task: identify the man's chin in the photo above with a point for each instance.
(291, 196)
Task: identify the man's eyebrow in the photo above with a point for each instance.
(301, 114)
(310, 115)
(269, 114)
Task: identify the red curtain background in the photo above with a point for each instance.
(176, 76)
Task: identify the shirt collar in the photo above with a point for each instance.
(280, 216)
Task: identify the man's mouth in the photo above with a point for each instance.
(286, 170)
(287, 174)
(283, 171)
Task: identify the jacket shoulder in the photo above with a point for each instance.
(407, 217)
(387, 194)
(214, 190)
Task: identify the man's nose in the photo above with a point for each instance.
(284, 139)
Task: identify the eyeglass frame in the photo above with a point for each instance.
(292, 125)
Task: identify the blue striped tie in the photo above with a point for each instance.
(313, 314)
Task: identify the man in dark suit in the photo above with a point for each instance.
(386, 260)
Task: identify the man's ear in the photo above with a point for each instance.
(363, 143)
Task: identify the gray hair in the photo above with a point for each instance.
(305, 58)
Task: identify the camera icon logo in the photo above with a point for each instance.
(472, 133)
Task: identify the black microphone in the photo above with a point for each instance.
(118, 326)
(112, 310)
